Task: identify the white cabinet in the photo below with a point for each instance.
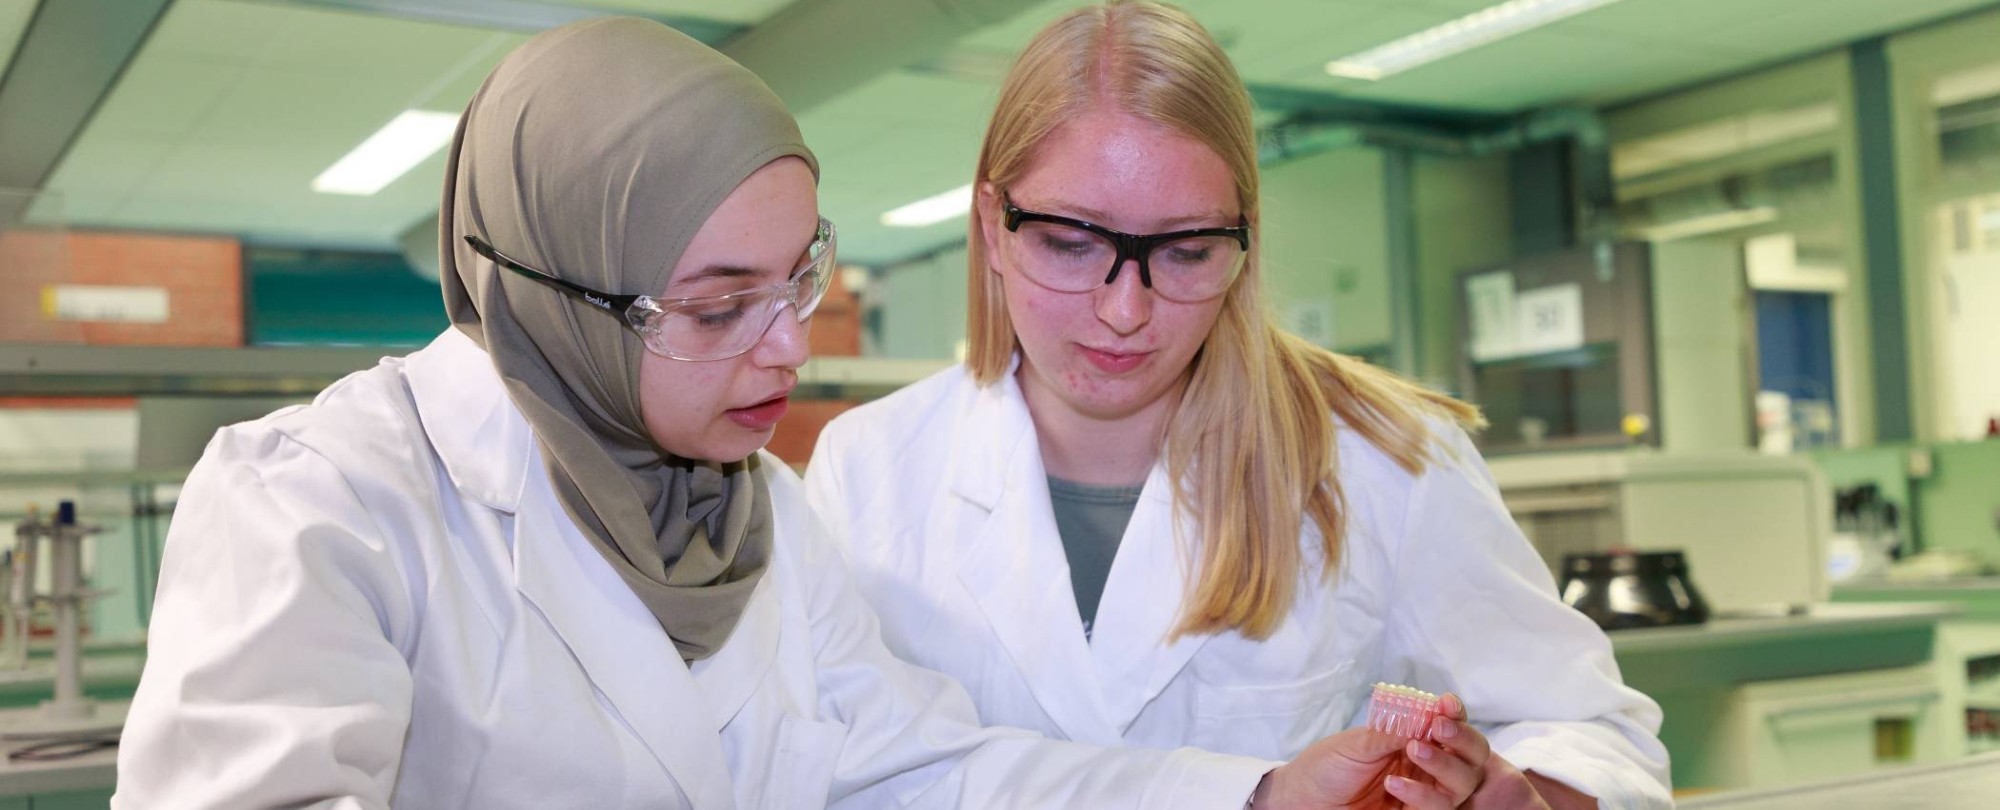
(1811, 729)
(1969, 654)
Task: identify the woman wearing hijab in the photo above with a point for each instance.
(540, 562)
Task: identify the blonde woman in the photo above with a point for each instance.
(1141, 514)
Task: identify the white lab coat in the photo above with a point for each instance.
(938, 494)
(377, 599)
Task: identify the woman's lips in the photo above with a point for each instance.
(1114, 362)
(763, 415)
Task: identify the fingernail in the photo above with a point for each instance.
(1445, 729)
(1397, 783)
(1420, 750)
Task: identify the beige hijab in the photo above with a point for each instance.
(594, 153)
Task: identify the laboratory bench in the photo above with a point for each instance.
(1978, 596)
(75, 782)
(1826, 638)
(1968, 648)
(111, 669)
(1971, 783)
(1787, 698)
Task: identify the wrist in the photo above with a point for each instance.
(1260, 799)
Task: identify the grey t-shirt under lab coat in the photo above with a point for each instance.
(1091, 520)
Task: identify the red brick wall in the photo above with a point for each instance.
(836, 325)
(794, 439)
(203, 277)
(836, 332)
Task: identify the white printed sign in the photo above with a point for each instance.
(103, 303)
(1549, 319)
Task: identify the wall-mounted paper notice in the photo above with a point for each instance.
(1490, 306)
(1550, 319)
(103, 303)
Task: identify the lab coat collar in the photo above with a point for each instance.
(998, 426)
(483, 440)
(730, 676)
(489, 451)
(1137, 611)
(620, 646)
(1017, 571)
(1014, 567)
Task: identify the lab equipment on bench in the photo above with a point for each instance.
(1626, 589)
(1752, 527)
(68, 713)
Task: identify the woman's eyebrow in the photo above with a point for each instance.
(1095, 216)
(716, 271)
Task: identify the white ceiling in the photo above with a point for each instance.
(13, 19)
(232, 107)
(730, 11)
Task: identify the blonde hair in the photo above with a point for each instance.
(1249, 446)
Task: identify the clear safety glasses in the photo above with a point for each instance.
(1070, 255)
(708, 327)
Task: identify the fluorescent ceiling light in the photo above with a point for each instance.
(1481, 27)
(932, 210)
(1709, 223)
(394, 149)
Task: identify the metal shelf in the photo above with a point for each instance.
(60, 370)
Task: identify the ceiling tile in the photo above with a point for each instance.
(227, 31)
(1685, 22)
(735, 11)
(1537, 69)
(1319, 43)
(332, 41)
(14, 16)
(1015, 32)
(318, 117)
(108, 166)
(164, 96)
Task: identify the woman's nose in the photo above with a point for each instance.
(1125, 304)
(786, 344)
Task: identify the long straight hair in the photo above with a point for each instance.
(1250, 445)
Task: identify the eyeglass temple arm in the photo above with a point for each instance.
(609, 302)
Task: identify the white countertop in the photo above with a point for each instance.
(1972, 783)
(97, 770)
(1822, 619)
(1951, 584)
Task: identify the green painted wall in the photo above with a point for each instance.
(1462, 216)
(921, 306)
(1326, 246)
(1958, 506)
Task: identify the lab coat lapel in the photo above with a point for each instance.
(489, 451)
(730, 676)
(621, 647)
(1013, 565)
(1141, 604)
